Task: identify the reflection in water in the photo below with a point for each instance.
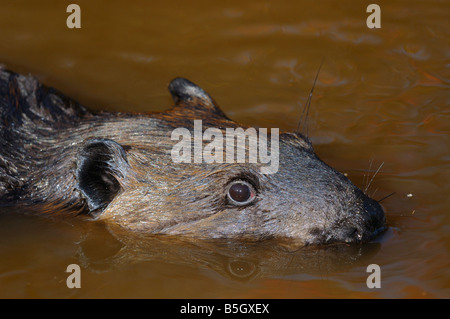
(236, 260)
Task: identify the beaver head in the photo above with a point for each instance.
(140, 186)
(120, 168)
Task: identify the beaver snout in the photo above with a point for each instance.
(374, 221)
(361, 225)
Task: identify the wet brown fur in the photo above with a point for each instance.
(44, 141)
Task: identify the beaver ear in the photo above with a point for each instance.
(188, 94)
(101, 165)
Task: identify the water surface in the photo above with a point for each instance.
(382, 96)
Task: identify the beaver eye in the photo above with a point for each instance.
(241, 193)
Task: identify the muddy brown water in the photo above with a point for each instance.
(382, 97)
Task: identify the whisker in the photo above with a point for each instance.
(304, 117)
(367, 187)
(366, 175)
(373, 194)
(379, 201)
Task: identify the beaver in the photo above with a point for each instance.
(59, 158)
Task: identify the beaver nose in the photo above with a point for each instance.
(366, 222)
(370, 223)
(374, 217)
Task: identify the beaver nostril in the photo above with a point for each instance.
(353, 235)
(375, 214)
